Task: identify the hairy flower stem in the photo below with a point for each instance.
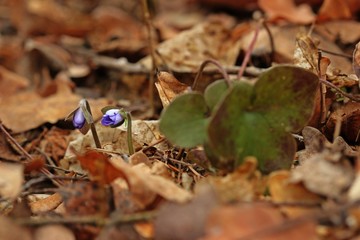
(129, 134)
(220, 68)
(95, 135)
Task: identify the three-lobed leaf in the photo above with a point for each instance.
(184, 121)
(257, 122)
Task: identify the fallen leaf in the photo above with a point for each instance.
(284, 191)
(210, 39)
(54, 232)
(99, 167)
(142, 183)
(25, 111)
(11, 231)
(325, 174)
(11, 180)
(254, 221)
(46, 204)
(348, 116)
(11, 83)
(169, 87)
(286, 9)
(190, 218)
(333, 10)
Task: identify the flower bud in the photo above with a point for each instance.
(112, 118)
(78, 119)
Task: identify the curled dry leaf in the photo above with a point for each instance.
(169, 87)
(286, 9)
(46, 204)
(141, 183)
(11, 180)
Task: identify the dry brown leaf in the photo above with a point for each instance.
(244, 184)
(114, 139)
(143, 184)
(11, 179)
(169, 87)
(146, 230)
(286, 9)
(333, 10)
(25, 111)
(255, 221)
(345, 31)
(50, 17)
(11, 231)
(11, 83)
(284, 191)
(348, 115)
(46, 204)
(53, 232)
(324, 173)
(116, 30)
(210, 39)
(185, 221)
(99, 167)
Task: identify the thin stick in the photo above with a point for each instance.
(348, 95)
(96, 220)
(322, 76)
(248, 53)
(271, 39)
(337, 54)
(149, 28)
(27, 155)
(220, 68)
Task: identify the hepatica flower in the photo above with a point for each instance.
(112, 118)
(78, 119)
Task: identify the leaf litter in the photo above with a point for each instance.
(258, 149)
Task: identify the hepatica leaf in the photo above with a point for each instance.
(184, 121)
(255, 121)
(214, 92)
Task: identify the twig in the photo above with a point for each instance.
(337, 54)
(248, 53)
(150, 28)
(348, 95)
(96, 220)
(27, 155)
(271, 39)
(219, 67)
(322, 76)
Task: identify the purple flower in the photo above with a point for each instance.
(112, 118)
(78, 119)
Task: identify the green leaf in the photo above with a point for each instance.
(285, 94)
(214, 92)
(255, 121)
(184, 121)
